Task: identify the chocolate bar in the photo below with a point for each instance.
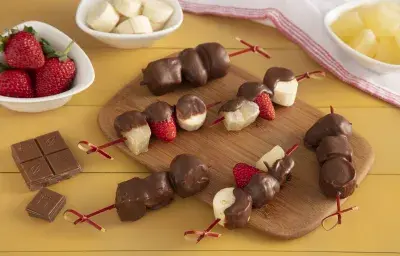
(45, 160)
(46, 205)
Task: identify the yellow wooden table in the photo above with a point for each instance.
(373, 229)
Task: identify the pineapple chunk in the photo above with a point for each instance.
(388, 50)
(381, 18)
(348, 25)
(365, 43)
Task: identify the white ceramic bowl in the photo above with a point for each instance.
(370, 63)
(84, 72)
(128, 41)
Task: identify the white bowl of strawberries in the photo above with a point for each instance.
(41, 68)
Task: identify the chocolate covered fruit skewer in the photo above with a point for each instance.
(255, 99)
(337, 177)
(196, 66)
(254, 188)
(187, 176)
(159, 119)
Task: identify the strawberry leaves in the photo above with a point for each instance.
(49, 51)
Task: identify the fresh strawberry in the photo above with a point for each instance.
(56, 75)
(22, 49)
(243, 173)
(16, 83)
(164, 130)
(267, 110)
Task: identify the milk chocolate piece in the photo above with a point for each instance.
(214, 58)
(135, 196)
(46, 205)
(45, 160)
(281, 169)
(129, 200)
(330, 125)
(190, 105)
(51, 142)
(232, 105)
(162, 76)
(337, 175)
(159, 190)
(64, 164)
(193, 70)
(250, 90)
(158, 111)
(25, 151)
(238, 214)
(188, 175)
(334, 146)
(36, 173)
(277, 74)
(262, 189)
(128, 121)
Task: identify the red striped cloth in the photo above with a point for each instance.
(384, 88)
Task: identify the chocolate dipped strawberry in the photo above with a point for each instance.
(259, 94)
(160, 116)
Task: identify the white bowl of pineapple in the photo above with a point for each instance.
(368, 30)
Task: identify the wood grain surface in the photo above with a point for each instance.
(299, 207)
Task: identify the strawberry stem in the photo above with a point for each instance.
(332, 110)
(217, 121)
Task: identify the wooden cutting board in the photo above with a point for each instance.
(299, 207)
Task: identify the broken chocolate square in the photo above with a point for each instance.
(46, 205)
(51, 142)
(45, 160)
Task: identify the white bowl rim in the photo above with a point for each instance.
(82, 24)
(70, 92)
(339, 10)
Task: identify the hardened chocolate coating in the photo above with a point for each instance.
(215, 59)
(136, 195)
(250, 90)
(158, 111)
(193, 69)
(277, 74)
(190, 105)
(330, 125)
(238, 214)
(128, 121)
(188, 175)
(334, 146)
(337, 175)
(262, 189)
(163, 76)
(281, 169)
(232, 105)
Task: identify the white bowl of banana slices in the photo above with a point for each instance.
(129, 24)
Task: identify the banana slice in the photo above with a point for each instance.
(136, 25)
(128, 8)
(223, 200)
(158, 12)
(102, 17)
(270, 158)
